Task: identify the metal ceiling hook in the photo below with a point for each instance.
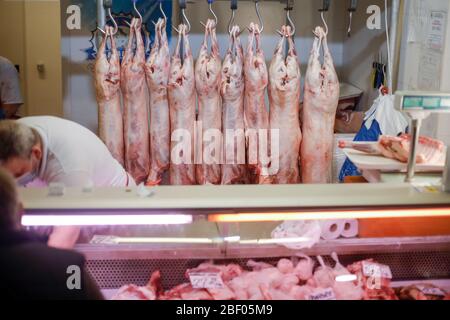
(210, 2)
(137, 11)
(325, 8)
(261, 22)
(351, 10)
(116, 27)
(162, 10)
(234, 7)
(289, 8)
(183, 6)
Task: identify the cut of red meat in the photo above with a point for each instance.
(429, 151)
(133, 292)
(380, 289)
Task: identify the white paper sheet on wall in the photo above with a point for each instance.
(436, 31)
(430, 70)
(418, 20)
(431, 56)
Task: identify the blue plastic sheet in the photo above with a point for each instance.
(372, 134)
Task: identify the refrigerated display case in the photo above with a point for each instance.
(126, 237)
(127, 234)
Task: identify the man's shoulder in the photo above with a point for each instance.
(41, 119)
(52, 123)
(40, 252)
(63, 253)
(35, 271)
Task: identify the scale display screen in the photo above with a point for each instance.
(425, 102)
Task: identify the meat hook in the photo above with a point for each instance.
(116, 27)
(353, 6)
(210, 2)
(261, 22)
(137, 11)
(289, 8)
(183, 6)
(325, 8)
(234, 7)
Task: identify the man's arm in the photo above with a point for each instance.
(73, 179)
(65, 237)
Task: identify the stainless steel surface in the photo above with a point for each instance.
(409, 259)
(236, 251)
(203, 199)
(396, 45)
(415, 134)
(393, 27)
(150, 252)
(347, 246)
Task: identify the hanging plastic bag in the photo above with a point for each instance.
(381, 119)
(307, 232)
(391, 121)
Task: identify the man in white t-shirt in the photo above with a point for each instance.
(56, 150)
(10, 97)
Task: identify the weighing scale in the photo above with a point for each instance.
(418, 106)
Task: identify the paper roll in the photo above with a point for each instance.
(332, 229)
(351, 229)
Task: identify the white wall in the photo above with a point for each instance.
(361, 50)
(445, 86)
(414, 48)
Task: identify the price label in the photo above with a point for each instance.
(56, 190)
(431, 291)
(371, 269)
(426, 188)
(206, 280)
(323, 294)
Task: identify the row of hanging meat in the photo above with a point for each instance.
(208, 123)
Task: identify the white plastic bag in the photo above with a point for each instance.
(391, 121)
(308, 231)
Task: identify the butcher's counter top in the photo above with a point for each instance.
(232, 199)
(420, 178)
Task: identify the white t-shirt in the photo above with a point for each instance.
(9, 83)
(75, 156)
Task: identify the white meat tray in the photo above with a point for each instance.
(365, 161)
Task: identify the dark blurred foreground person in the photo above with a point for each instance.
(29, 269)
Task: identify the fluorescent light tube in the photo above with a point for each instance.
(104, 220)
(330, 215)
